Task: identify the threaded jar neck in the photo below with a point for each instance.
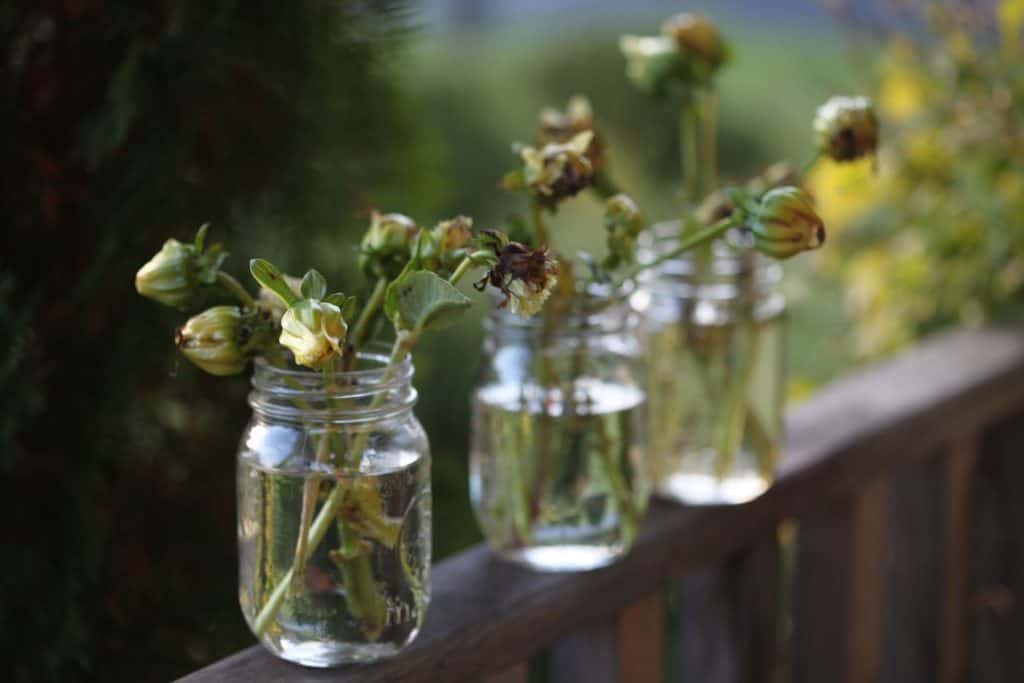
(373, 391)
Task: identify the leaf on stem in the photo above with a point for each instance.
(271, 277)
(421, 300)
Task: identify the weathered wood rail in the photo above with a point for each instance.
(903, 486)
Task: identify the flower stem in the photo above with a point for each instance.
(318, 529)
(235, 288)
(461, 270)
(540, 229)
(311, 488)
(688, 154)
(685, 244)
(373, 304)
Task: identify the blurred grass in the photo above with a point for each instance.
(477, 92)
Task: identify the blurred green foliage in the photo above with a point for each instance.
(935, 237)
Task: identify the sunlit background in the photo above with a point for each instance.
(283, 124)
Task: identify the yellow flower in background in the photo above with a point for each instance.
(925, 152)
(1010, 17)
(887, 294)
(844, 192)
(903, 90)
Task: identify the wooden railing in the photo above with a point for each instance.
(900, 508)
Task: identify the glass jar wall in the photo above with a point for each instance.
(715, 348)
(558, 477)
(334, 513)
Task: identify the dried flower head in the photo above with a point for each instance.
(556, 126)
(846, 128)
(558, 171)
(785, 223)
(697, 38)
(442, 248)
(222, 339)
(385, 248)
(686, 55)
(525, 276)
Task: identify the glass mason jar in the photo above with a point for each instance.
(350, 463)
(714, 340)
(558, 477)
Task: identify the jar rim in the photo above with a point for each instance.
(300, 394)
(376, 352)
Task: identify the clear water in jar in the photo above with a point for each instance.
(364, 589)
(559, 485)
(695, 382)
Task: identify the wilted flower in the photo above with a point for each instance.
(561, 127)
(687, 54)
(222, 339)
(558, 171)
(442, 248)
(313, 331)
(624, 223)
(697, 38)
(525, 276)
(846, 128)
(385, 248)
(785, 223)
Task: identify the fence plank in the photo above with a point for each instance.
(590, 654)
(627, 648)
(516, 673)
(729, 618)
(641, 640)
(913, 590)
(837, 591)
(961, 463)
(997, 558)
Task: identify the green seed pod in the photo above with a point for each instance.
(785, 223)
(222, 339)
(385, 248)
(846, 128)
(171, 276)
(313, 331)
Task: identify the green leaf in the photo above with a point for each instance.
(200, 239)
(271, 277)
(314, 285)
(421, 301)
(347, 304)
